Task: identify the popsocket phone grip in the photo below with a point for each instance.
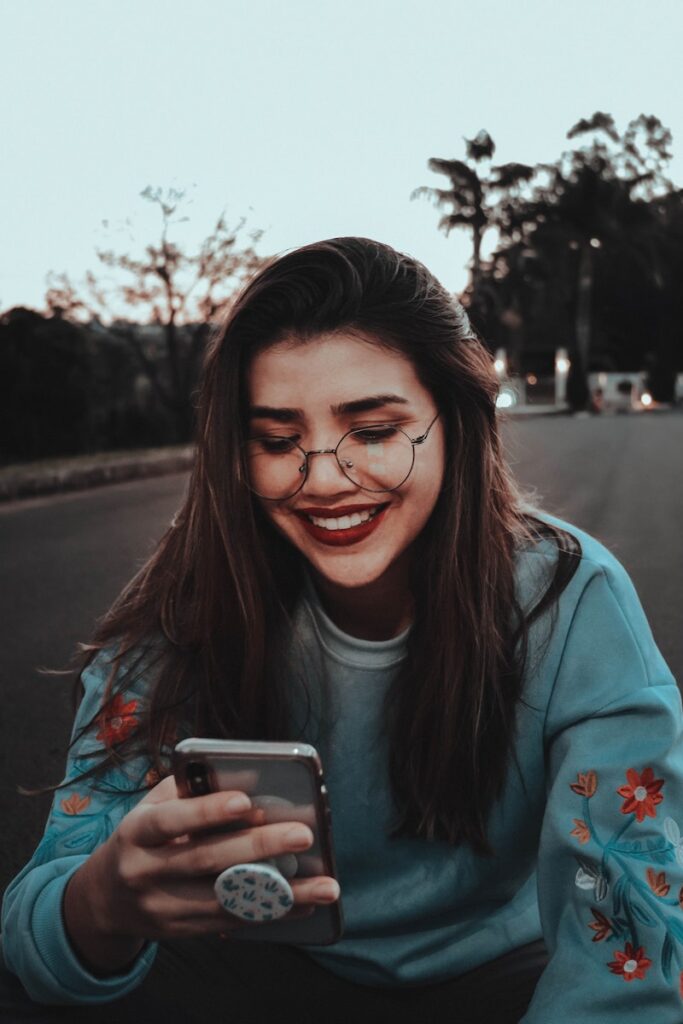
(259, 891)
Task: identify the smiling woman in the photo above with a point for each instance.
(355, 568)
(364, 583)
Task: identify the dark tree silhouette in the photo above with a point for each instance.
(474, 199)
(180, 292)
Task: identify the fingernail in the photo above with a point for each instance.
(326, 891)
(236, 804)
(298, 837)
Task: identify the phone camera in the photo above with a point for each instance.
(197, 778)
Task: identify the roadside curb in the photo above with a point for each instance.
(25, 482)
(521, 412)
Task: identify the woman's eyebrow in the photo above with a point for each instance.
(285, 415)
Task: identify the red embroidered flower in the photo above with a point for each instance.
(116, 720)
(680, 984)
(74, 804)
(582, 832)
(602, 926)
(632, 963)
(642, 793)
(587, 784)
(657, 882)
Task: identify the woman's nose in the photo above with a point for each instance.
(324, 472)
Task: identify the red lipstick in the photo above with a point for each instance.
(342, 538)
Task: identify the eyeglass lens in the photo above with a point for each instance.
(376, 460)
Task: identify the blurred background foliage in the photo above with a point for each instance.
(588, 252)
(586, 255)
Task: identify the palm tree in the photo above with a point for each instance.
(476, 201)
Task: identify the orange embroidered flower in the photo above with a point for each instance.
(602, 926)
(582, 832)
(657, 882)
(74, 804)
(116, 720)
(587, 784)
(641, 794)
(680, 897)
(152, 778)
(632, 963)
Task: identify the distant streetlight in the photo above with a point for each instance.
(562, 365)
(506, 399)
(500, 363)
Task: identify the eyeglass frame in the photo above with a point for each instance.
(333, 451)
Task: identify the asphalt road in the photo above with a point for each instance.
(64, 559)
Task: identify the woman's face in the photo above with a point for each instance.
(309, 379)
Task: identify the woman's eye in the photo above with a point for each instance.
(374, 435)
(275, 445)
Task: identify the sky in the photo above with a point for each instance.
(311, 118)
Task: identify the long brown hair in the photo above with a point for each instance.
(209, 615)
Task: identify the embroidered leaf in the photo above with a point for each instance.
(660, 856)
(617, 894)
(672, 831)
(667, 952)
(601, 888)
(80, 839)
(619, 927)
(589, 867)
(676, 928)
(642, 916)
(584, 880)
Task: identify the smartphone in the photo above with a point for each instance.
(289, 778)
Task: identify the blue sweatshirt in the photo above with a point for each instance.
(587, 833)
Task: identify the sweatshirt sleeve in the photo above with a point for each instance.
(35, 945)
(610, 870)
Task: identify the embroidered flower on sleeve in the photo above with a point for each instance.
(631, 963)
(641, 794)
(74, 804)
(657, 882)
(586, 785)
(582, 832)
(116, 720)
(601, 925)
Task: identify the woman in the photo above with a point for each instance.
(353, 566)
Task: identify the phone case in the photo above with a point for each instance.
(289, 778)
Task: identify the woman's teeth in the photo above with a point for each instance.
(344, 522)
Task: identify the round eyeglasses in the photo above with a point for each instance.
(377, 458)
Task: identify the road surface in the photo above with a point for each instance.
(64, 559)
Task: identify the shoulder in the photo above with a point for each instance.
(591, 561)
(601, 649)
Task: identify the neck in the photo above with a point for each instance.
(376, 611)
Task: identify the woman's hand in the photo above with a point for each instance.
(153, 878)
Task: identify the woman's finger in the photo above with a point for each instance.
(211, 854)
(156, 822)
